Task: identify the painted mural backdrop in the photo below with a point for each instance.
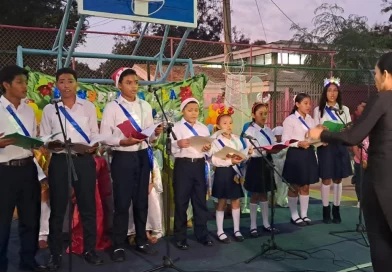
(41, 89)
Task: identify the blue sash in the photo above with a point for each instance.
(206, 157)
(237, 168)
(331, 114)
(137, 127)
(266, 136)
(13, 114)
(303, 122)
(74, 124)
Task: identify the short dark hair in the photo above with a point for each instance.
(8, 74)
(128, 72)
(63, 71)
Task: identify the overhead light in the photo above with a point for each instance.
(217, 66)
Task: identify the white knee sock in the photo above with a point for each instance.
(325, 194)
(337, 194)
(220, 215)
(236, 221)
(304, 202)
(253, 215)
(293, 201)
(264, 214)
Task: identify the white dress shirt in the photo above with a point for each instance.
(83, 112)
(41, 173)
(254, 131)
(183, 132)
(345, 115)
(8, 125)
(113, 116)
(234, 142)
(294, 129)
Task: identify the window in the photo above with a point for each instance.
(303, 58)
(268, 59)
(259, 60)
(294, 59)
(283, 58)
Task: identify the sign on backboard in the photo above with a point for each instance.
(168, 12)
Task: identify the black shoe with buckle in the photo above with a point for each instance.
(32, 267)
(92, 258)
(146, 249)
(336, 215)
(118, 255)
(183, 245)
(54, 263)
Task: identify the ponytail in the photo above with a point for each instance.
(294, 109)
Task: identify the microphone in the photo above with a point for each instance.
(55, 100)
(338, 111)
(153, 89)
(245, 136)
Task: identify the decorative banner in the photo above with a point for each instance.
(41, 90)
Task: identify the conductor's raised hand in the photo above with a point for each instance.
(6, 142)
(130, 141)
(315, 133)
(206, 148)
(184, 143)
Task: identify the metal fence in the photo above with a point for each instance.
(281, 78)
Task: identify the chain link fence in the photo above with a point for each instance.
(284, 69)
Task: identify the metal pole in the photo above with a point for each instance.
(74, 40)
(139, 41)
(62, 32)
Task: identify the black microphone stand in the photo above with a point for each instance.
(360, 226)
(167, 260)
(271, 244)
(71, 175)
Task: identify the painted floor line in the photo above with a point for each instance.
(355, 268)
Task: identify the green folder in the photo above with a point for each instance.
(332, 126)
(25, 142)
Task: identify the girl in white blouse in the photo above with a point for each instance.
(258, 177)
(227, 177)
(334, 159)
(300, 168)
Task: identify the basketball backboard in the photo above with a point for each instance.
(167, 12)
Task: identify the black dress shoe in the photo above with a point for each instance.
(336, 215)
(54, 263)
(118, 255)
(239, 238)
(92, 258)
(327, 215)
(183, 245)
(206, 241)
(146, 249)
(33, 267)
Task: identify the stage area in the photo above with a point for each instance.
(325, 252)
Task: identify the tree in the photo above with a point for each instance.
(259, 42)
(46, 14)
(209, 28)
(356, 45)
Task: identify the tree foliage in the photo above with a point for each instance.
(28, 13)
(209, 28)
(356, 44)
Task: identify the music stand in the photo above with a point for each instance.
(271, 244)
(71, 172)
(168, 263)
